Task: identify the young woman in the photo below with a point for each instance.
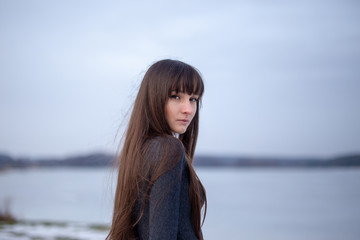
(158, 194)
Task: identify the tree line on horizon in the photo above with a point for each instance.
(107, 160)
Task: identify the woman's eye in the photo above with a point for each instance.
(175, 96)
(193, 99)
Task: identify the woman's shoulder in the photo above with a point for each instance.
(163, 142)
(163, 147)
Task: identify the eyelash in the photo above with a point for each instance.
(174, 96)
(177, 97)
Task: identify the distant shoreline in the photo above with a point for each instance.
(107, 160)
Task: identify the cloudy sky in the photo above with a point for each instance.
(282, 77)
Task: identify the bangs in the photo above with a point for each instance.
(188, 81)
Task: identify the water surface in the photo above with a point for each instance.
(252, 204)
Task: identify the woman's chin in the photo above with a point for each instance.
(180, 131)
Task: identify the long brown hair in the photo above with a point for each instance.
(148, 120)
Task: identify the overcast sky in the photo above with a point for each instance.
(281, 78)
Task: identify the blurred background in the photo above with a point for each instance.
(282, 83)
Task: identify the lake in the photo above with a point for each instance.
(243, 203)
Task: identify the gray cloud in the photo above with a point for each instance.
(281, 78)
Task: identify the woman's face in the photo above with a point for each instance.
(180, 110)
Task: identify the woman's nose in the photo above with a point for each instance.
(186, 107)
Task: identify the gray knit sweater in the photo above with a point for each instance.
(167, 214)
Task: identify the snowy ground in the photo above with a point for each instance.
(52, 231)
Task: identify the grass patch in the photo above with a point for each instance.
(37, 238)
(99, 227)
(66, 238)
(6, 217)
(44, 223)
(38, 230)
(18, 234)
(53, 224)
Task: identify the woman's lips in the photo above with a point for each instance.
(183, 121)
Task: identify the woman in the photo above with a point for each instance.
(158, 194)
